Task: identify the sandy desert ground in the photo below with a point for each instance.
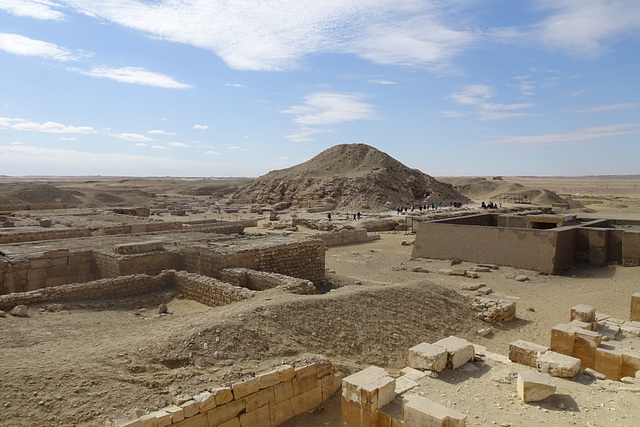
(91, 366)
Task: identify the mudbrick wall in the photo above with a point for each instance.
(44, 269)
(260, 281)
(267, 400)
(209, 291)
(44, 234)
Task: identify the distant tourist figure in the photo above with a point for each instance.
(483, 206)
(354, 217)
(358, 215)
(329, 216)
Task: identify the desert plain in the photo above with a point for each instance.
(97, 366)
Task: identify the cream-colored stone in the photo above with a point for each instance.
(583, 313)
(412, 373)
(190, 408)
(428, 356)
(535, 386)
(525, 352)
(206, 401)
(423, 412)
(558, 365)
(563, 339)
(176, 412)
(245, 387)
(459, 351)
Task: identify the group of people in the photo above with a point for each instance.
(491, 205)
(356, 216)
(401, 209)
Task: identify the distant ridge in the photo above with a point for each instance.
(352, 176)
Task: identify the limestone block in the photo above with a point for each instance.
(584, 347)
(234, 422)
(199, 420)
(472, 286)
(163, 417)
(445, 271)
(306, 401)
(149, 420)
(283, 391)
(609, 363)
(40, 263)
(352, 415)
(259, 417)
(583, 313)
(20, 311)
(591, 325)
(629, 329)
(427, 356)
(286, 372)
(535, 386)
(205, 401)
(420, 411)
(226, 412)
(558, 365)
(330, 384)
(404, 383)
(176, 412)
(630, 363)
(370, 387)
(261, 398)
(281, 412)
(526, 353)
(246, 387)
(562, 339)
(305, 378)
(412, 373)
(190, 408)
(130, 423)
(635, 307)
(56, 253)
(459, 351)
(222, 395)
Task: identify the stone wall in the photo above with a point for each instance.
(123, 286)
(114, 265)
(631, 248)
(209, 291)
(45, 269)
(346, 237)
(267, 400)
(14, 236)
(260, 281)
(32, 207)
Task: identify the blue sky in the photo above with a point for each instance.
(239, 88)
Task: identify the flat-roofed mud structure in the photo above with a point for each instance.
(547, 243)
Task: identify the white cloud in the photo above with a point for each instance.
(280, 35)
(30, 160)
(213, 153)
(177, 144)
(24, 46)
(51, 127)
(133, 137)
(472, 95)
(162, 132)
(38, 9)
(601, 108)
(502, 111)
(578, 92)
(16, 143)
(140, 144)
(382, 82)
(136, 75)
(323, 108)
(201, 127)
(235, 147)
(71, 138)
(238, 85)
(159, 147)
(304, 134)
(590, 134)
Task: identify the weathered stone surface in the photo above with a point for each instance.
(19, 311)
(472, 286)
(563, 339)
(583, 313)
(526, 353)
(428, 356)
(609, 363)
(558, 365)
(459, 351)
(420, 411)
(635, 307)
(534, 386)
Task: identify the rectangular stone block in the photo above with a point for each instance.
(283, 391)
(591, 325)
(330, 384)
(245, 387)
(306, 401)
(635, 307)
(534, 386)
(40, 263)
(163, 417)
(226, 412)
(412, 373)
(190, 408)
(176, 412)
(353, 384)
(583, 313)
(459, 351)
(199, 420)
(562, 339)
(205, 401)
(305, 379)
(609, 363)
(525, 352)
(630, 364)
(259, 417)
(234, 422)
(269, 379)
(428, 356)
(286, 372)
(558, 365)
(584, 347)
(261, 398)
(281, 412)
(56, 253)
(420, 411)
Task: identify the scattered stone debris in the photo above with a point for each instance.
(492, 311)
(19, 311)
(162, 308)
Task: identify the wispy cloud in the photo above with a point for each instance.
(382, 82)
(51, 127)
(476, 97)
(177, 145)
(413, 33)
(162, 132)
(602, 108)
(472, 95)
(330, 108)
(238, 85)
(584, 135)
(578, 92)
(38, 9)
(502, 111)
(304, 134)
(213, 153)
(160, 147)
(133, 137)
(201, 127)
(25, 46)
(136, 75)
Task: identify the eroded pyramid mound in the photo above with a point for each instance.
(351, 176)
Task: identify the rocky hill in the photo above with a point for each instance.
(348, 176)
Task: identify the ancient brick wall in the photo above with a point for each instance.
(98, 289)
(346, 237)
(51, 268)
(45, 234)
(269, 399)
(209, 291)
(260, 281)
